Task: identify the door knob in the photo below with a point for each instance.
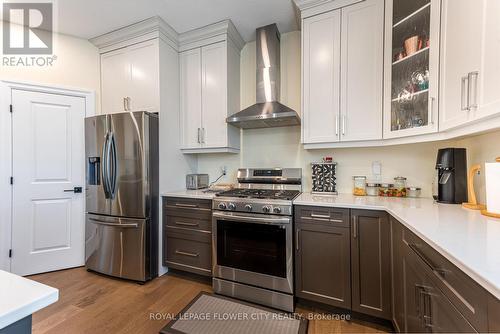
(76, 190)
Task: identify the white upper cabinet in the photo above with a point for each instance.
(343, 74)
(145, 76)
(130, 78)
(190, 82)
(321, 78)
(412, 68)
(469, 61)
(362, 71)
(214, 95)
(115, 81)
(210, 90)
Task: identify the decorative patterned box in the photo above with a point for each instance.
(323, 178)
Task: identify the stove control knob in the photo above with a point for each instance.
(266, 209)
(231, 206)
(248, 207)
(277, 209)
(222, 206)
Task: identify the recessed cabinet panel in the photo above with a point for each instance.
(488, 94)
(370, 261)
(460, 55)
(145, 76)
(130, 78)
(115, 80)
(214, 94)
(362, 71)
(322, 264)
(190, 81)
(321, 71)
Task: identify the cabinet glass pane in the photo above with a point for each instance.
(410, 64)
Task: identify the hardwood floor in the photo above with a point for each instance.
(91, 303)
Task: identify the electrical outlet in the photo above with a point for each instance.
(223, 170)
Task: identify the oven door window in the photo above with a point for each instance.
(253, 247)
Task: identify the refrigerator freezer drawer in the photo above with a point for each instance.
(116, 246)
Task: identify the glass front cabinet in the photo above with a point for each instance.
(412, 67)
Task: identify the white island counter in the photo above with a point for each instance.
(20, 298)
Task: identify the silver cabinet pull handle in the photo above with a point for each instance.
(337, 125)
(464, 103)
(186, 224)
(343, 124)
(297, 232)
(187, 253)
(472, 95)
(431, 116)
(199, 140)
(181, 205)
(313, 215)
(125, 104)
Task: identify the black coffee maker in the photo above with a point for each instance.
(451, 169)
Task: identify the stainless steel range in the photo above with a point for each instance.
(253, 237)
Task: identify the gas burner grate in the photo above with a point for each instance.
(287, 195)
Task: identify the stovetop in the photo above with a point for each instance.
(268, 194)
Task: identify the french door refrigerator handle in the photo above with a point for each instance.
(105, 223)
(114, 164)
(105, 177)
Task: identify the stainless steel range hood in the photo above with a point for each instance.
(267, 112)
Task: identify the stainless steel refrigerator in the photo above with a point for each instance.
(121, 226)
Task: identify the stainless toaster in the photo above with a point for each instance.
(196, 181)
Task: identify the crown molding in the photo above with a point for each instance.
(153, 27)
(209, 34)
(309, 8)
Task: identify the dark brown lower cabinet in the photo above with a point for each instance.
(398, 313)
(493, 314)
(427, 308)
(322, 264)
(371, 263)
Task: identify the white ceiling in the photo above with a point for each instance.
(90, 18)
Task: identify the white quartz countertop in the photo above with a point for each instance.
(20, 297)
(466, 238)
(197, 194)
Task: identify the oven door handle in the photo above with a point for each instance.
(253, 219)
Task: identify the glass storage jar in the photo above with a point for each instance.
(413, 192)
(372, 188)
(386, 190)
(359, 185)
(400, 186)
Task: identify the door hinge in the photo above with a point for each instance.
(11, 180)
(10, 108)
(10, 252)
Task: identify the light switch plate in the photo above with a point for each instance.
(377, 170)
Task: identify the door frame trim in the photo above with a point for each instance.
(6, 88)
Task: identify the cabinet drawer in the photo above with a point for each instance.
(427, 308)
(467, 296)
(189, 251)
(187, 207)
(197, 224)
(322, 215)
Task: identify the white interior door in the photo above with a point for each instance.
(48, 158)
